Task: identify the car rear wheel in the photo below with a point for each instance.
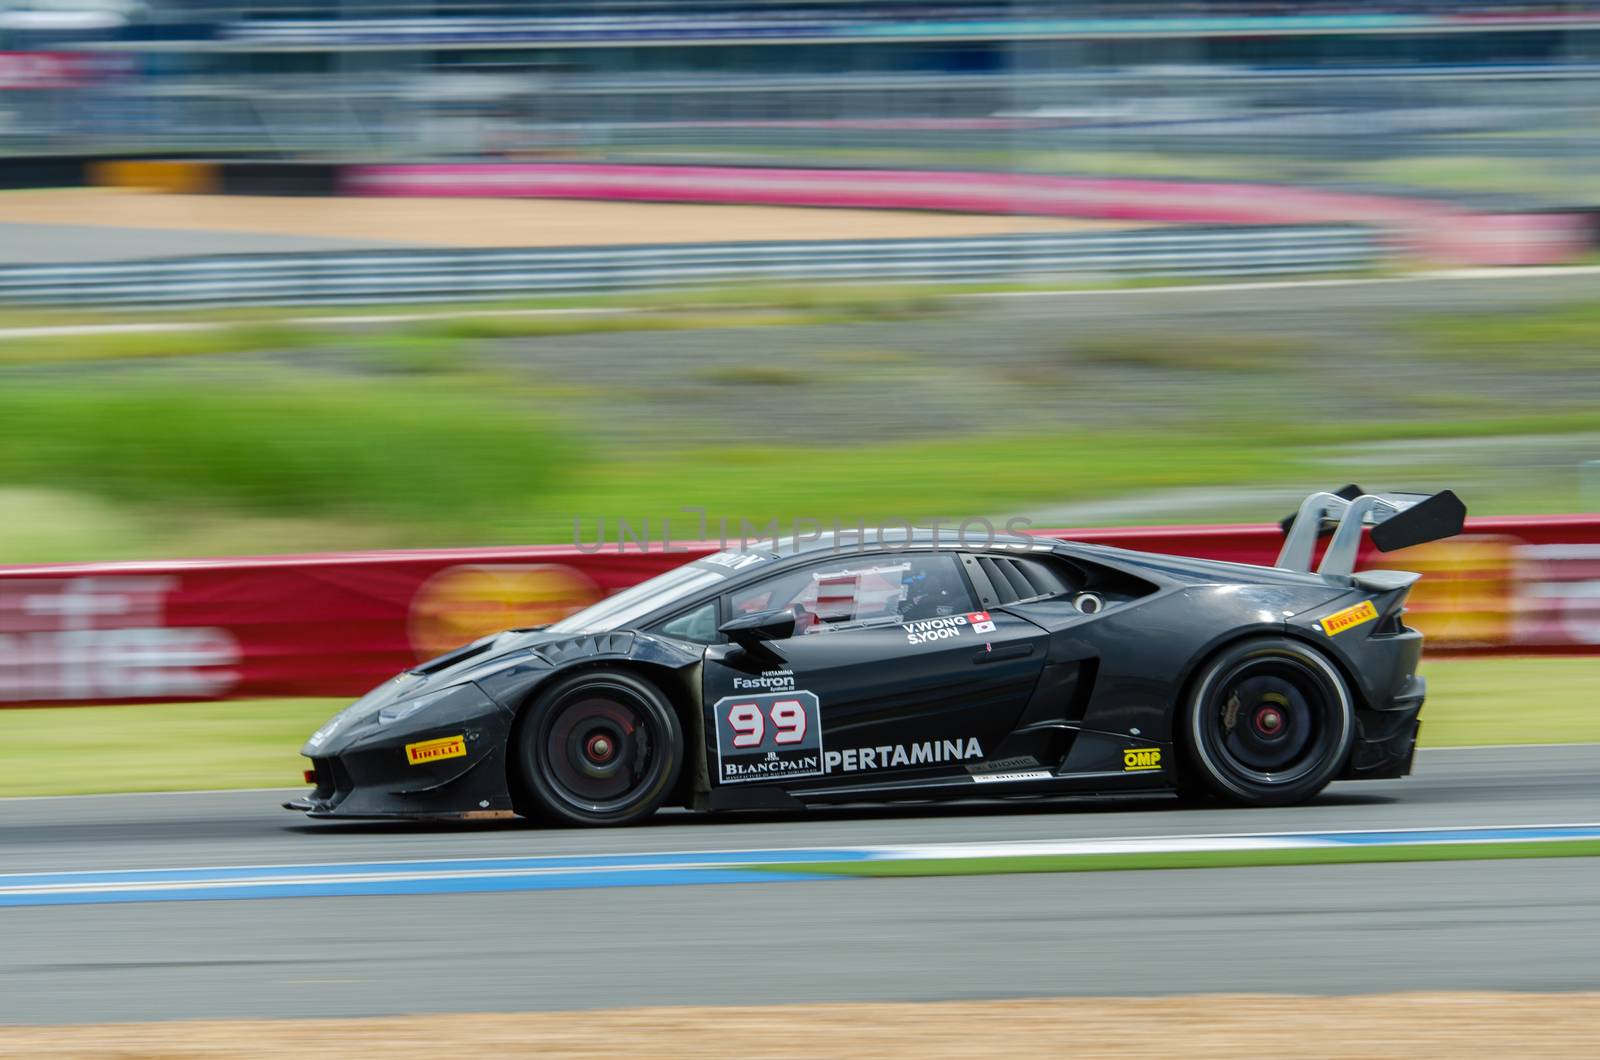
(1269, 722)
(597, 748)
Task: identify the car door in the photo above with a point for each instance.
(892, 669)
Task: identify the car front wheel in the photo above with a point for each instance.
(597, 748)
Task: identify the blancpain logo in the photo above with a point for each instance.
(930, 752)
(772, 680)
(771, 766)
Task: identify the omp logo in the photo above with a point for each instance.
(433, 750)
(1349, 618)
(1141, 759)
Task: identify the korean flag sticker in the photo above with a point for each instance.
(981, 622)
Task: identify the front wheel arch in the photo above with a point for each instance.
(669, 681)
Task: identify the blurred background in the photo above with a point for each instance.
(779, 260)
(483, 281)
(290, 277)
(1489, 103)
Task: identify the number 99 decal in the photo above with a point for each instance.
(768, 736)
(749, 723)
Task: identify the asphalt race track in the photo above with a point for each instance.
(1514, 925)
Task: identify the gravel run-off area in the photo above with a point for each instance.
(1379, 1026)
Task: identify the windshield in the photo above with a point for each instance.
(630, 605)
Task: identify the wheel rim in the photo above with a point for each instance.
(599, 746)
(1270, 719)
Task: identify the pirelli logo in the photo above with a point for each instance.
(1349, 618)
(1141, 759)
(433, 750)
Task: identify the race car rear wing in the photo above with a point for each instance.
(1398, 520)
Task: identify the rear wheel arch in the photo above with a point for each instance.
(1207, 655)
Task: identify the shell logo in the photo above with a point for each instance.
(460, 604)
(1465, 597)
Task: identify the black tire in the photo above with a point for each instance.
(1268, 722)
(600, 747)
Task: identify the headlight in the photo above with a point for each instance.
(395, 711)
(365, 707)
(338, 721)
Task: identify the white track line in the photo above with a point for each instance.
(750, 855)
(173, 326)
(357, 875)
(1531, 271)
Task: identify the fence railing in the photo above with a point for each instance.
(421, 275)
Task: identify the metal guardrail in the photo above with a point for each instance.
(421, 275)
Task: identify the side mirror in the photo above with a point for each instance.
(749, 631)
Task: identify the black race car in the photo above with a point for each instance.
(915, 665)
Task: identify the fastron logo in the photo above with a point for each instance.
(894, 756)
(771, 680)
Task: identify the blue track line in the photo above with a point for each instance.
(464, 866)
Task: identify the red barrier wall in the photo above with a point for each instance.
(1436, 230)
(338, 624)
(959, 191)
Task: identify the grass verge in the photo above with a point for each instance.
(1195, 859)
(427, 459)
(1481, 702)
(268, 442)
(989, 473)
(164, 747)
(234, 329)
(204, 341)
(256, 743)
(489, 427)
